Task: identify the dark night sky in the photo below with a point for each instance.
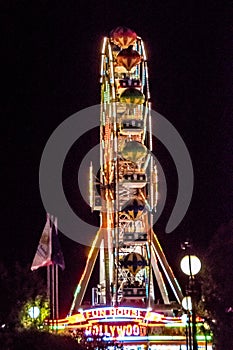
(50, 69)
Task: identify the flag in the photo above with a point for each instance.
(44, 250)
(49, 249)
(57, 255)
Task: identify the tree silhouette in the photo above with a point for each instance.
(35, 340)
(217, 286)
(18, 285)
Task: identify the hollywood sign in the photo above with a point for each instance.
(117, 330)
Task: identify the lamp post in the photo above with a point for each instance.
(187, 306)
(191, 265)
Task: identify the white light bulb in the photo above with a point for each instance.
(190, 265)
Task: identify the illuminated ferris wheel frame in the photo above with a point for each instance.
(112, 191)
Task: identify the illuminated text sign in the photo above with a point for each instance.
(121, 312)
(118, 330)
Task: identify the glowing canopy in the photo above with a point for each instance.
(128, 58)
(123, 37)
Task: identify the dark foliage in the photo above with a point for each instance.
(17, 285)
(35, 340)
(217, 286)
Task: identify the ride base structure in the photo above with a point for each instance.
(134, 271)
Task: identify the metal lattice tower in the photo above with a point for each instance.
(131, 258)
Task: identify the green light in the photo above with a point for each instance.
(57, 327)
(174, 325)
(166, 337)
(202, 337)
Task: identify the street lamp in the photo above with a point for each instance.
(187, 306)
(191, 265)
(34, 313)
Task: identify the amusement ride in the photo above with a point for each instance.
(133, 270)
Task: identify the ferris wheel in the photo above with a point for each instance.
(131, 258)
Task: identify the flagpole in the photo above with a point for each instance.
(53, 296)
(48, 284)
(57, 296)
(49, 253)
(49, 289)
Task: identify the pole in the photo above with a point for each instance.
(56, 296)
(189, 332)
(48, 283)
(194, 326)
(192, 292)
(49, 290)
(53, 296)
(56, 293)
(186, 337)
(195, 346)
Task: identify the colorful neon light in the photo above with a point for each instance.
(120, 312)
(116, 331)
